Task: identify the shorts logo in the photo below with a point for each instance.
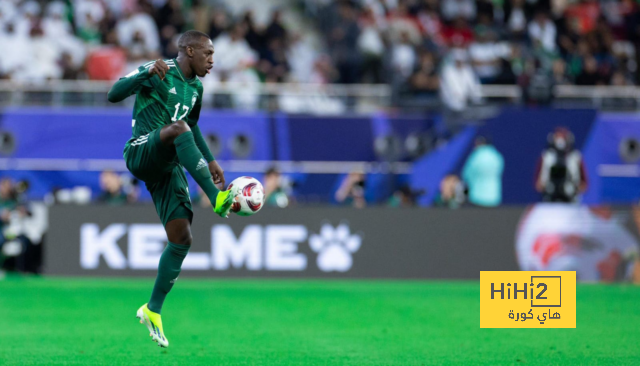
(140, 140)
(201, 164)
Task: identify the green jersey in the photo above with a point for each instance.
(161, 102)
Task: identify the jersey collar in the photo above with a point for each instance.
(175, 62)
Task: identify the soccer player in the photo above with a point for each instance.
(166, 139)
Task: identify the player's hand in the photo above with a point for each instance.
(217, 173)
(159, 68)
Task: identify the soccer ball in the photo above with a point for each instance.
(250, 196)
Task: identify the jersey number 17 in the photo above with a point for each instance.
(175, 114)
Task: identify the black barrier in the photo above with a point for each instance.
(297, 242)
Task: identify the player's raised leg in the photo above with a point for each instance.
(179, 235)
(179, 135)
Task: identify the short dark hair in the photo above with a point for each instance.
(272, 170)
(190, 38)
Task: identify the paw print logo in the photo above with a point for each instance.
(335, 247)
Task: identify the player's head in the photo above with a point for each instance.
(198, 49)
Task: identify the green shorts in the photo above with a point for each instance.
(157, 165)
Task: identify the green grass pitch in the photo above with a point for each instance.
(275, 322)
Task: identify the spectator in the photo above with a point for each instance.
(431, 25)
(219, 23)
(516, 19)
(404, 197)
(171, 15)
(8, 13)
(28, 18)
(351, 191)
(458, 83)
(618, 79)
(371, 45)
(138, 33)
(458, 35)
(403, 57)
(482, 173)
(590, 74)
(89, 15)
(486, 55)
(11, 62)
(43, 55)
(401, 23)
(255, 36)
(275, 189)
(452, 192)
(276, 66)
(561, 175)
(232, 51)
(301, 57)
(559, 72)
(343, 40)
(425, 80)
(112, 192)
(486, 10)
(324, 71)
(54, 24)
(275, 29)
(171, 22)
(542, 32)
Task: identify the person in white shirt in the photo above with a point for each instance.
(26, 18)
(542, 32)
(486, 55)
(233, 53)
(12, 62)
(54, 24)
(458, 83)
(8, 14)
(403, 56)
(137, 26)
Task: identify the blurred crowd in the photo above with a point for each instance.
(409, 44)
(98, 39)
(586, 42)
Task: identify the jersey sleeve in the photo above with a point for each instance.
(131, 84)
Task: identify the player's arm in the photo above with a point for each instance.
(216, 170)
(193, 118)
(136, 80)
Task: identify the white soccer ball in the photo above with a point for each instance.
(250, 197)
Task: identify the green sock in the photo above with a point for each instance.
(168, 271)
(191, 158)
